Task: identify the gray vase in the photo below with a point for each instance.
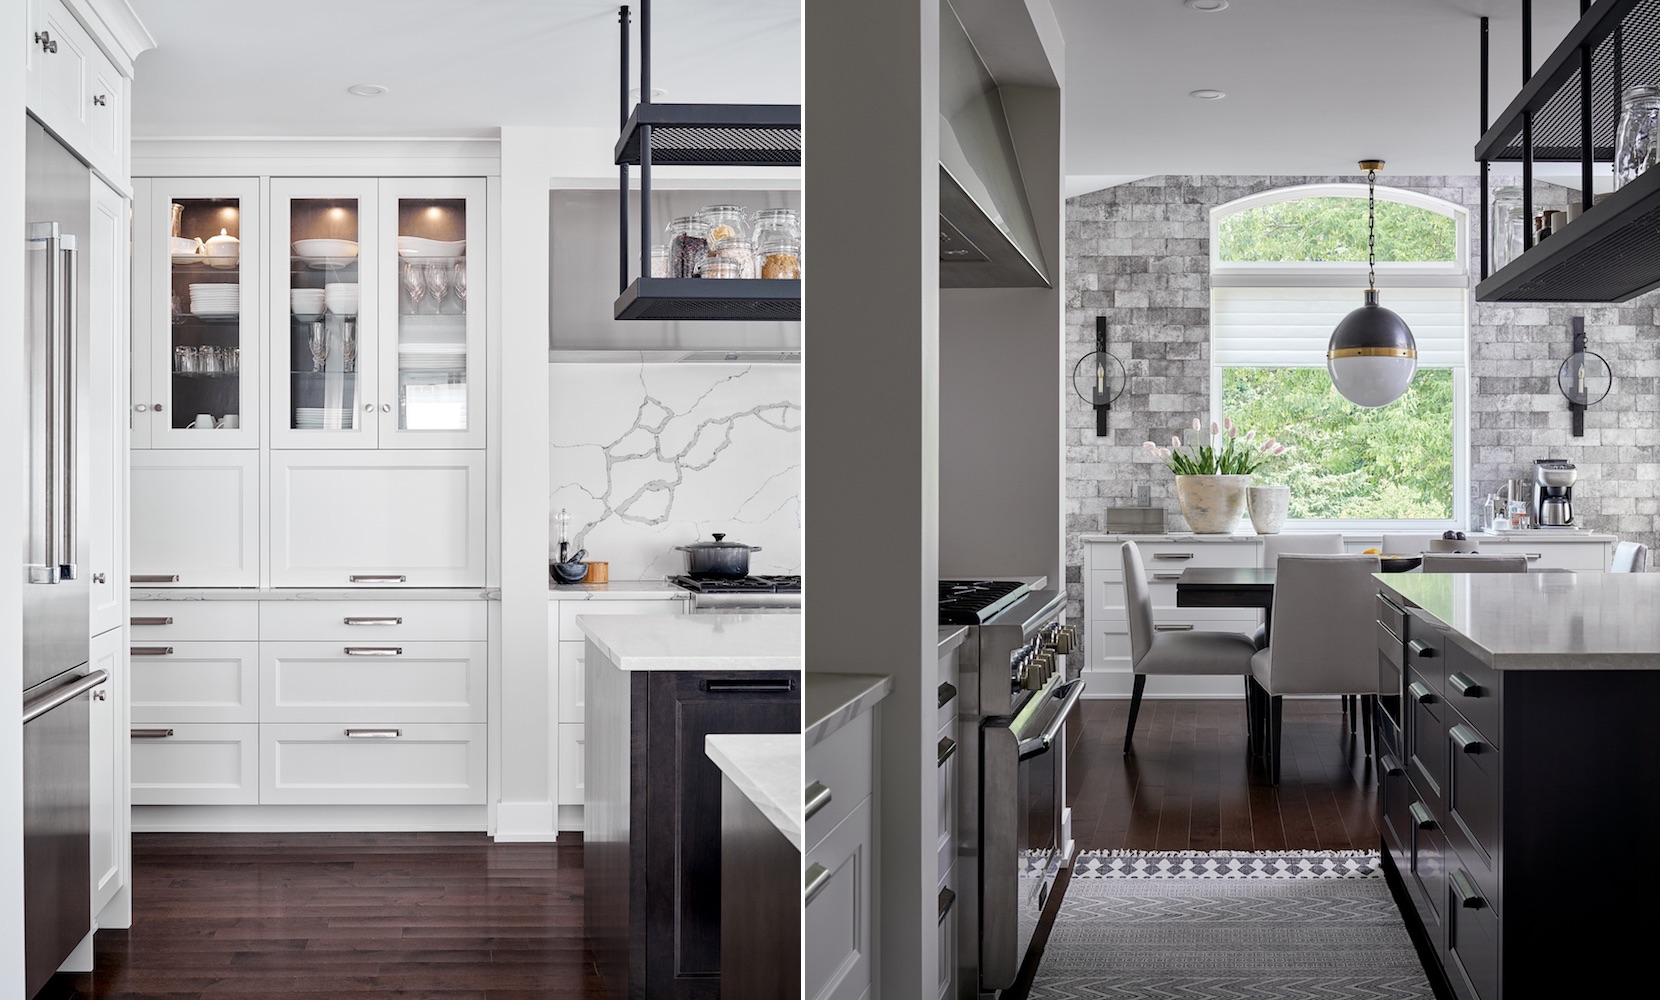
(1268, 505)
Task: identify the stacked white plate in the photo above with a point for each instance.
(217, 300)
(431, 357)
(415, 246)
(314, 418)
(326, 253)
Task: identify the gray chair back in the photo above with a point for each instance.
(1325, 631)
(1629, 557)
(1138, 602)
(1473, 562)
(1406, 545)
(1274, 546)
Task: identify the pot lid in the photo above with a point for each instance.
(718, 543)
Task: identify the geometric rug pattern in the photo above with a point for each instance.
(1227, 926)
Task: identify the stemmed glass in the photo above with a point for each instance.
(414, 285)
(438, 279)
(319, 346)
(348, 346)
(459, 283)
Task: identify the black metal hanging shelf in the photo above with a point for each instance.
(1568, 111)
(696, 135)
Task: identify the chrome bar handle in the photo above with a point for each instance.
(1166, 577)
(43, 558)
(1172, 628)
(374, 650)
(150, 734)
(377, 578)
(365, 620)
(150, 651)
(818, 796)
(150, 621)
(818, 877)
(71, 327)
(373, 734)
(153, 578)
(1172, 555)
(62, 695)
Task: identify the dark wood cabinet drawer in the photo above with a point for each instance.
(1473, 690)
(1428, 870)
(1392, 616)
(1391, 646)
(1472, 941)
(1395, 796)
(1426, 651)
(1472, 793)
(1425, 737)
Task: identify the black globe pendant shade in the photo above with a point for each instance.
(1372, 355)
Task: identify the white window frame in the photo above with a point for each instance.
(1445, 274)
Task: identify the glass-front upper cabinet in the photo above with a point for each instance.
(196, 363)
(323, 313)
(432, 235)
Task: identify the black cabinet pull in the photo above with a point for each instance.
(1422, 817)
(1465, 687)
(1419, 649)
(1469, 897)
(760, 685)
(1391, 766)
(1468, 740)
(947, 898)
(1421, 693)
(947, 692)
(947, 747)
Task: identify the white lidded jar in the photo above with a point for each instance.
(1637, 143)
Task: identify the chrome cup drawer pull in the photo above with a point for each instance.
(947, 747)
(150, 621)
(383, 620)
(818, 796)
(1422, 817)
(150, 650)
(818, 877)
(1419, 649)
(374, 650)
(1469, 897)
(1391, 766)
(947, 692)
(1466, 687)
(1468, 740)
(1419, 691)
(151, 734)
(373, 734)
(947, 898)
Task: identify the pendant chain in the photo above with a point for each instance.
(1371, 230)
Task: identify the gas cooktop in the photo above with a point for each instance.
(739, 585)
(974, 602)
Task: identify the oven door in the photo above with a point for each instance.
(1021, 798)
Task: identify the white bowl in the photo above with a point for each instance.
(415, 246)
(297, 295)
(180, 245)
(341, 298)
(325, 248)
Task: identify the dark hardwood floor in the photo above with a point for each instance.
(332, 916)
(1190, 783)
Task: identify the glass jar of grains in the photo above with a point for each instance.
(781, 259)
(688, 246)
(722, 267)
(724, 221)
(737, 249)
(776, 224)
(659, 261)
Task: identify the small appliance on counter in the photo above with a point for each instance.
(1553, 488)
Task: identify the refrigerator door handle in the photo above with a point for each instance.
(69, 393)
(43, 549)
(63, 694)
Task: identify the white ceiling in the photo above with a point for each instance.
(1313, 86)
(454, 67)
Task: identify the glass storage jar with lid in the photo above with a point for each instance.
(722, 267)
(688, 246)
(1507, 223)
(737, 249)
(660, 261)
(776, 224)
(1637, 145)
(781, 259)
(725, 221)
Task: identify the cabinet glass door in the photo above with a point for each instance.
(323, 316)
(432, 240)
(204, 242)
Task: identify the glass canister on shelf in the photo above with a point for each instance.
(722, 267)
(1637, 144)
(688, 246)
(772, 224)
(781, 259)
(1507, 223)
(738, 250)
(725, 221)
(660, 267)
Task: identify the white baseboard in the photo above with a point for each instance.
(307, 819)
(521, 822)
(570, 819)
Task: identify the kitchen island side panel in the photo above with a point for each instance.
(612, 882)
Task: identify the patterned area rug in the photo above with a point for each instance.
(1224, 926)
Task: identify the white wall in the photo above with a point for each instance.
(646, 457)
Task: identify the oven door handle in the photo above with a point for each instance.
(1068, 694)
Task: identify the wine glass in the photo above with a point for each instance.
(438, 280)
(348, 346)
(459, 283)
(414, 285)
(319, 346)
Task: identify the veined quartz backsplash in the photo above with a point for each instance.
(646, 457)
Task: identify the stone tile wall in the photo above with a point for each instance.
(1139, 254)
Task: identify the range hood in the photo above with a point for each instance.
(988, 236)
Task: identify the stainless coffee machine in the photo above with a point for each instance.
(1553, 490)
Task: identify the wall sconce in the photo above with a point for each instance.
(1099, 378)
(1584, 377)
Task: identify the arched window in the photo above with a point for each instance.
(1286, 266)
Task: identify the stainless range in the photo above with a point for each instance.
(1016, 691)
(744, 593)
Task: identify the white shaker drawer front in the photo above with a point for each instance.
(375, 621)
(838, 776)
(187, 764)
(1173, 556)
(837, 905)
(195, 518)
(573, 762)
(570, 611)
(371, 765)
(411, 519)
(372, 682)
(1108, 596)
(947, 766)
(194, 681)
(165, 621)
(1552, 555)
(572, 683)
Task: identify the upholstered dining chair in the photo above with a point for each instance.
(1274, 546)
(1406, 545)
(1185, 653)
(1629, 557)
(1473, 562)
(1324, 642)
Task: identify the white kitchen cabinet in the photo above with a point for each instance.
(74, 89)
(572, 666)
(376, 681)
(196, 338)
(111, 825)
(375, 621)
(188, 681)
(1589, 554)
(195, 518)
(198, 621)
(413, 518)
(573, 763)
(105, 494)
(837, 911)
(195, 764)
(332, 764)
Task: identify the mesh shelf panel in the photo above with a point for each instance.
(702, 299)
(685, 135)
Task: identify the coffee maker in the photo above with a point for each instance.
(1553, 489)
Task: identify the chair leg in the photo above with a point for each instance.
(1350, 710)
(1367, 723)
(1250, 715)
(1135, 708)
(1275, 704)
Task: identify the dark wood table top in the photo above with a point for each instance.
(1225, 587)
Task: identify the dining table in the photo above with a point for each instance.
(1228, 587)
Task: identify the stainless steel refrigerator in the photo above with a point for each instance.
(56, 680)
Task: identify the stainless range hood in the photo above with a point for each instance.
(988, 237)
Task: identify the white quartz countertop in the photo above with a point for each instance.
(1531, 536)
(697, 642)
(832, 700)
(766, 768)
(304, 594)
(1586, 620)
(951, 636)
(618, 590)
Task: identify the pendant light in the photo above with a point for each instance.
(1372, 356)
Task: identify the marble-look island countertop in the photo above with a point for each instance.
(696, 642)
(1539, 535)
(1543, 621)
(313, 594)
(951, 636)
(766, 768)
(832, 700)
(618, 590)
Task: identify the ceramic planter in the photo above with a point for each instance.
(1268, 505)
(1212, 505)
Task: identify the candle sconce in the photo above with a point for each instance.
(1099, 378)
(1584, 377)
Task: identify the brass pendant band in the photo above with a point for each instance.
(1372, 352)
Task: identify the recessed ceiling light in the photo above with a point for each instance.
(1205, 6)
(657, 94)
(366, 89)
(1207, 95)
